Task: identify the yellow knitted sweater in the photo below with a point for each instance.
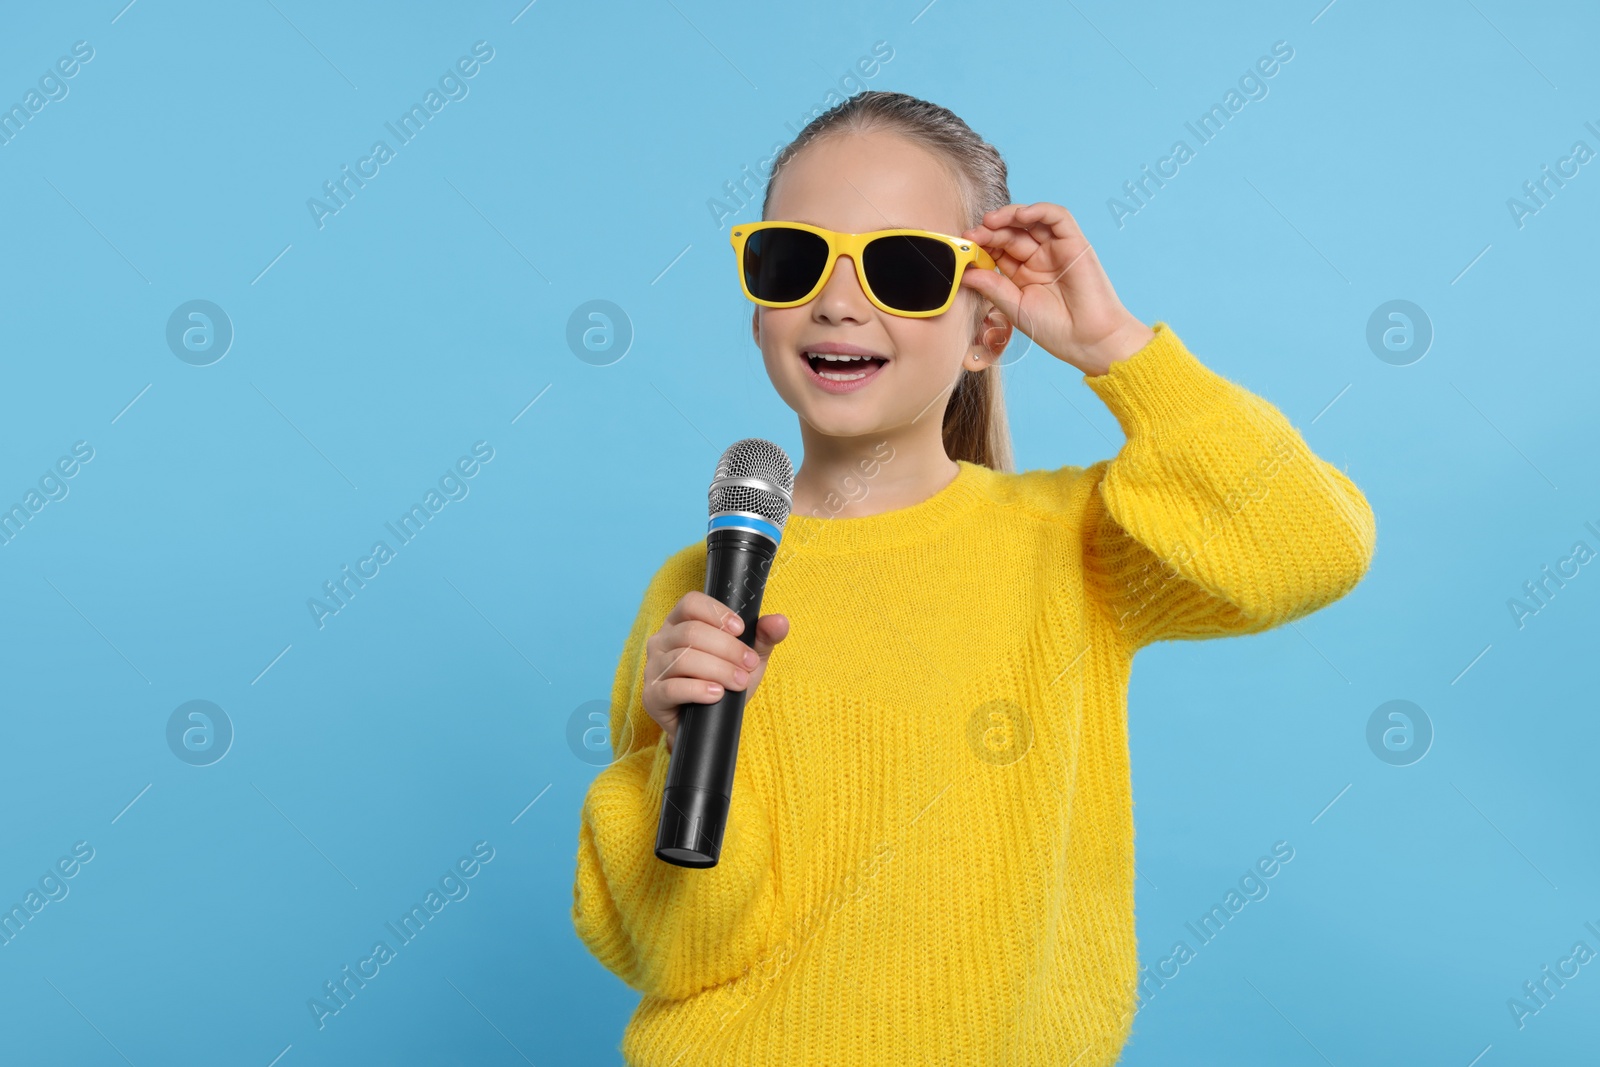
(929, 851)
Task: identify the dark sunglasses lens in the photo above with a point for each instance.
(910, 273)
(783, 264)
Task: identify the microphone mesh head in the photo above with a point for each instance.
(758, 459)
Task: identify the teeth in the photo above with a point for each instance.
(841, 375)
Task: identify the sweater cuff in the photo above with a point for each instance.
(1160, 389)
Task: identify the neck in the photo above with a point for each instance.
(851, 477)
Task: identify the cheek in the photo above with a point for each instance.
(780, 332)
(779, 328)
(775, 368)
(937, 345)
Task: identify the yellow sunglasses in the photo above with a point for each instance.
(915, 273)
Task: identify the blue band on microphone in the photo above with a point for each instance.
(748, 522)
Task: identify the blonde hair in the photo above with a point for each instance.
(974, 418)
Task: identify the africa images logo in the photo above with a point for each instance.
(453, 886)
(452, 86)
(453, 485)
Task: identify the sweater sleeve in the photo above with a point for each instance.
(1215, 518)
(665, 930)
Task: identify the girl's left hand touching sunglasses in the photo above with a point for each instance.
(1051, 286)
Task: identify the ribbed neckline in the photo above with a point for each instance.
(914, 521)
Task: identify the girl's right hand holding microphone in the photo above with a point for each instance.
(697, 654)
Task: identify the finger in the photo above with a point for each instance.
(997, 289)
(1010, 266)
(1000, 216)
(1057, 219)
(1019, 243)
(669, 724)
(697, 605)
(1026, 216)
(1000, 235)
(705, 637)
(1048, 227)
(1035, 245)
(1039, 252)
(675, 691)
(706, 667)
(770, 629)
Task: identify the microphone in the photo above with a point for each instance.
(750, 497)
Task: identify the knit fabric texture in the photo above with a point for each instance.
(929, 850)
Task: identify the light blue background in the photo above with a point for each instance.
(425, 316)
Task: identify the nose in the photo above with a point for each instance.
(842, 299)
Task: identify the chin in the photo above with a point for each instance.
(832, 424)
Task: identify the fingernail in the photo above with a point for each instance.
(734, 624)
(751, 659)
(714, 689)
(740, 677)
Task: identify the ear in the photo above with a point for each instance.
(755, 325)
(989, 339)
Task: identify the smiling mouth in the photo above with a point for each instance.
(841, 368)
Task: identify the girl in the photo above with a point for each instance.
(929, 851)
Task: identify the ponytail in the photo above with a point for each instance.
(975, 421)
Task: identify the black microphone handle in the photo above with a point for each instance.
(694, 803)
